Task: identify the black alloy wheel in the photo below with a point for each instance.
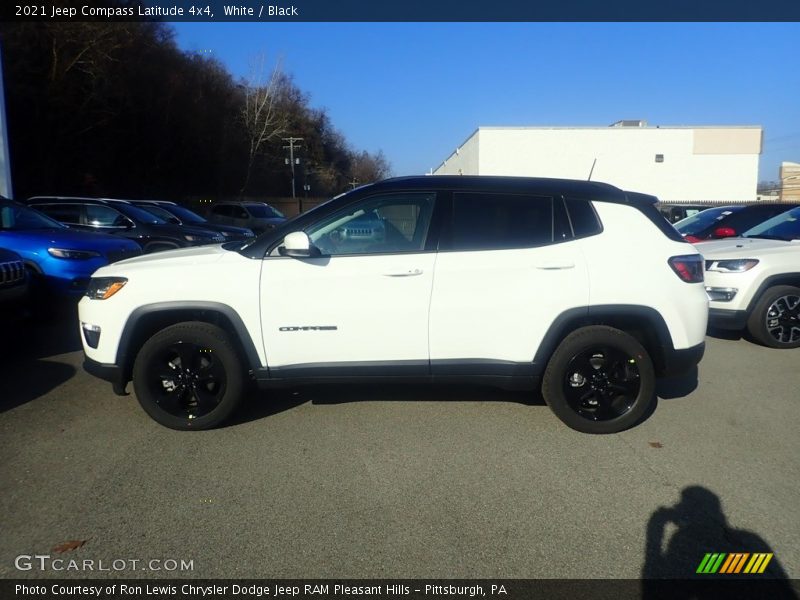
(600, 380)
(187, 380)
(189, 376)
(601, 383)
(783, 319)
(775, 319)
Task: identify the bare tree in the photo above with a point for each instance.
(263, 116)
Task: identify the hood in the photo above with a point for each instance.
(195, 255)
(745, 247)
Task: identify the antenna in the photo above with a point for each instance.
(594, 162)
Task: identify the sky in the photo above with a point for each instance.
(416, 91)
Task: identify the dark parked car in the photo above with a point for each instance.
(60, 259)
(675, 212)
(175, 213)
(13, 282)
(258, 216)
(728, 221)
(122, 218)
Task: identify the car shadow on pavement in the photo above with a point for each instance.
(691, 549)
(24, 381)
(260, 403)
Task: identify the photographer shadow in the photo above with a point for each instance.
(701, 528)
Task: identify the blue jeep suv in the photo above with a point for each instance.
(58, 258)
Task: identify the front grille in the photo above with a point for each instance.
(116, 255)
(11, 272)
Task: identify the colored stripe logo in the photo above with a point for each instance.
(734, 563)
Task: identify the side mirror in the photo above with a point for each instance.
(298, 245)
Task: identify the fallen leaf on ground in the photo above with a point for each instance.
(70, 545)
(656, 445)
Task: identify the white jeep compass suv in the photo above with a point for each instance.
(575, 287)
(753, 281)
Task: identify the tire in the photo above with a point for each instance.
(775, 319)
(201, 398)
(599, 380)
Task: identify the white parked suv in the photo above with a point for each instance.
(753, 281)
(576, 287)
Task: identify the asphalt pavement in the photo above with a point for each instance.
(394, 482)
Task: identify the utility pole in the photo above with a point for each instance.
(291, 160)
(354, 184)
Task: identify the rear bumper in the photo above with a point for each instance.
(680, 362)
(111, 373)
(727, 319)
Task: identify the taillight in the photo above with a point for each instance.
(692, 239)
(689, 267)
(723, 232)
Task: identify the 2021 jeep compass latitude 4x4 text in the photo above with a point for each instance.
(579, 288)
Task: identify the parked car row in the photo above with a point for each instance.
(61, 240)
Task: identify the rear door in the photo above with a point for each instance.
(508, 266)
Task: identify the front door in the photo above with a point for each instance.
(362, 307)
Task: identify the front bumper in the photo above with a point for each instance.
(727, 319)
(111, 373)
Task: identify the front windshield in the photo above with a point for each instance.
(704, 219)
(14, 217)
(263, 211)
(138, 214)
(785, 226)
(158, 211)
(184, 214)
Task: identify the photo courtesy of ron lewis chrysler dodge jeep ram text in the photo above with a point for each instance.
(576, 288)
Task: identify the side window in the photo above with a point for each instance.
(239, 212)
(99, 215)
(582, 217)
(483, 221)
(65, 213)
(223, 210)
(376, 225)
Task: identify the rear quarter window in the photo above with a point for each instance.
(582, 217)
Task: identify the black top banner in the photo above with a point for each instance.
(404, 10)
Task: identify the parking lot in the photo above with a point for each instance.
(416, 481)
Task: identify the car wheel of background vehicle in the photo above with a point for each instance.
(775, 319)
(599, 380)
(188, 376)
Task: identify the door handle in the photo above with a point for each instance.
(555, 265)
(403, 273)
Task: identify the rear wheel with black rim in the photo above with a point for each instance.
(189, 376)
(599, 380)
(775, 319)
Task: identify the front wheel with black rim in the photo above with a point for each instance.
(599, 380)
(775, 319)
(189, 376)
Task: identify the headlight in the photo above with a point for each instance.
(226, 233)
(731, 266)
(75, 254)
(102, 288)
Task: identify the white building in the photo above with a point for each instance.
(673, 163)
